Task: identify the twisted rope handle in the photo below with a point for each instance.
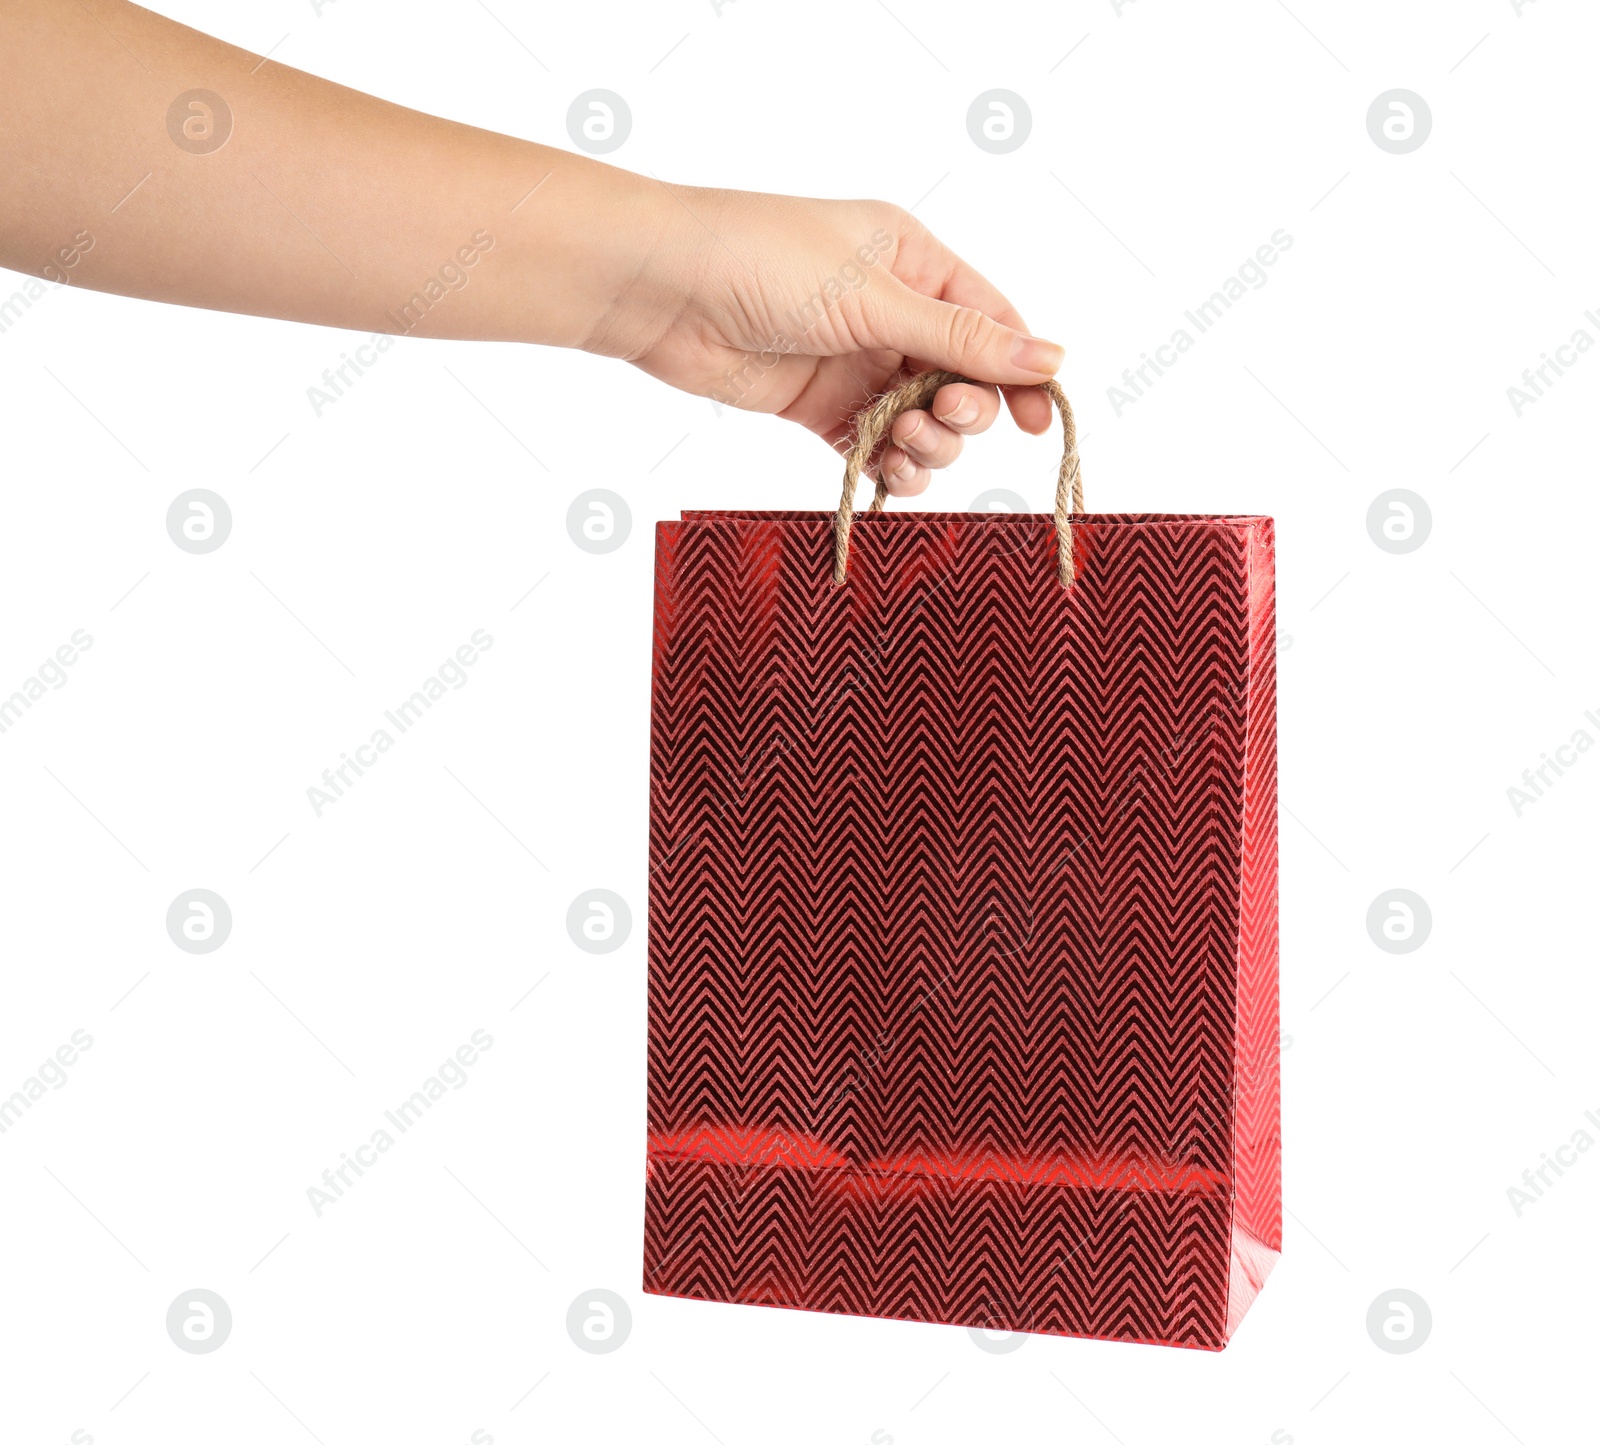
(872, 426)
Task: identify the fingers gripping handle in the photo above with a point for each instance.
(872, 426)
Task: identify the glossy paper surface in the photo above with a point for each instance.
(963, 921)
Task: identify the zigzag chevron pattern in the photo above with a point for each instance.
(963, 921)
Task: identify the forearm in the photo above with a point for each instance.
(303, 199)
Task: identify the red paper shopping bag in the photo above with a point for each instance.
(963, 914)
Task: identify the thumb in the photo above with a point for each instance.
(960, 338)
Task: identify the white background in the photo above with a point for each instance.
(370, 542)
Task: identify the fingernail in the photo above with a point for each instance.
(916, 426)
(1033, 353)
(904, 470)
(963, 413)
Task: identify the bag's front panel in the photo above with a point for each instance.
(944, 920)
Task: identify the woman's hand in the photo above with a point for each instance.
(809, 308)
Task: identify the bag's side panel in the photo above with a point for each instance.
(1258, 1206)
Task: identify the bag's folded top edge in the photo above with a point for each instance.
(879, 519)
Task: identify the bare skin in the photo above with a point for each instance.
(300, 199)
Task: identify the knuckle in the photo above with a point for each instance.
(896, 220)
(967, 330)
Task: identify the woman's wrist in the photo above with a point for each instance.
(585, 256)
(633, 252)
